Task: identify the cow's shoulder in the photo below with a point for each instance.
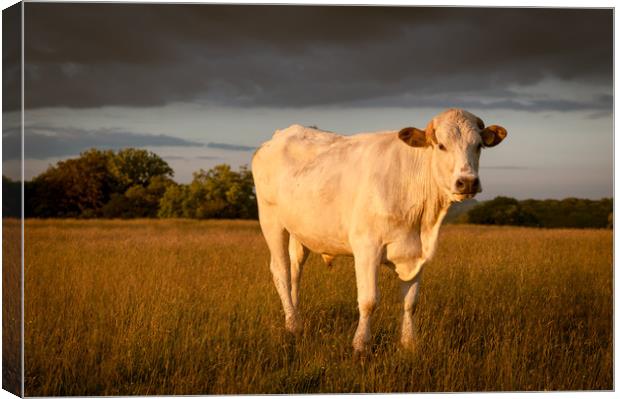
(301, 144)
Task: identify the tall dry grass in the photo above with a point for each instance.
(11, 306)
(188, 307)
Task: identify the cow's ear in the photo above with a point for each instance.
(493, 135)
(414, 137)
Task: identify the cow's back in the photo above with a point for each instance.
(312, 181)
(289, 153)
(300, 155)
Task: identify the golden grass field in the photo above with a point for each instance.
(11, 306)
(188, 307)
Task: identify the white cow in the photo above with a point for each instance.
(380, 197)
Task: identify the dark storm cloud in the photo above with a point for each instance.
(494, 101)
(90, 55)
(11, 57)
(50, 142)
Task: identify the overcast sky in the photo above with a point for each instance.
(206, 84)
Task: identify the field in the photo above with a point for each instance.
(188, 307)
(11, 306)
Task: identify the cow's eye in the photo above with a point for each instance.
(442, 147)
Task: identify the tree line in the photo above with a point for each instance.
(569, 213)
(136, 183)
(131, 183)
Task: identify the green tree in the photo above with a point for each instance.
(502, 211)
(11, 198)
(128, 183)
(569, 212)
(75, 187)
(172, 202)
(138, 201)
(221, 193)
(133, 167)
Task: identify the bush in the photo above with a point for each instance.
(570, 212)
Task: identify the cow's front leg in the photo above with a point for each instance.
(410, 291)
(367, 260)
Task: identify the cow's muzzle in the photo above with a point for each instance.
(467, 186)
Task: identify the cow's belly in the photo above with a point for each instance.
(322, 245)
(318, 211)
(319, 234)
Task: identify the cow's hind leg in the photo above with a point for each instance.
(277, 240)
(298, 254)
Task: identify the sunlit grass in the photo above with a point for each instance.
(188, 307)
(11, 306)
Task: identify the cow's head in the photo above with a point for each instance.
(455, 138)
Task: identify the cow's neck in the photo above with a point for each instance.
(431, 203)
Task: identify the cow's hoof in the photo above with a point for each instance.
(361, 350)
(408, 345)
(294, 326)
(361, 355)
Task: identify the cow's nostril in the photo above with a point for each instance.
(475, 184)
(468, 185)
